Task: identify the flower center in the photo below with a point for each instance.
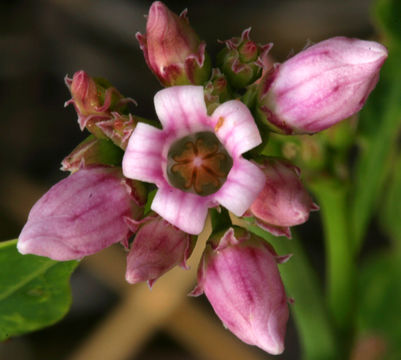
(198, 163)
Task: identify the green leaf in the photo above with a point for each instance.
(379, 301)
(316, 334)
(151, 196)
(379, 126)
(387, 15)
(34, 291)
(391, 208)
(340, 268)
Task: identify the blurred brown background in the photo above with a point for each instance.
(42, 41)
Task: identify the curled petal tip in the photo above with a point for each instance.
(281, 259)
(197, 291)
(150, 283)
(68, 102)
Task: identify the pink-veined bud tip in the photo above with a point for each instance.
(320, 86)
(242, 282)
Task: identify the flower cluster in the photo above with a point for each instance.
(207, 151)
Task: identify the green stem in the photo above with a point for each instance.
(249, 97)
(332, 198)
(314, 328)
(220, 220)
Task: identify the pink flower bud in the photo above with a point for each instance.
(95, 100)
(217, 90)
(85, 98)
(118, 128)
(92, 151)
(284, 201)
(84, 92)
(320, 86)
(78, 216)
(172, 49)
(240, 278)
(158, 247)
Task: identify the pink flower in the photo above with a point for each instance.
(172, 49)
(195, 161)
(158, 247)
(239, 276)
(284, 201)
(79, 216)
(320, 86)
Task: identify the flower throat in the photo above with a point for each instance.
(198, 163)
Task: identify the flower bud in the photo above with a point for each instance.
(242, 61)
(217, 91)
(118, 128)
(94, 101)
(92, 151)
(238, 274)
(79, 216)
(284, 201)
(172, 49)
(158, 247)
(320, 86)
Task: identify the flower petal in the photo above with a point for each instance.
(182, 109)
(243, 184)
(184, 210)
(143, 156)
(235, 127)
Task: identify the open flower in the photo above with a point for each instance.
(195, 160)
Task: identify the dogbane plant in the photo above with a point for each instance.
(150, 184)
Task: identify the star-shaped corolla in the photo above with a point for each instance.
(195, 160)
